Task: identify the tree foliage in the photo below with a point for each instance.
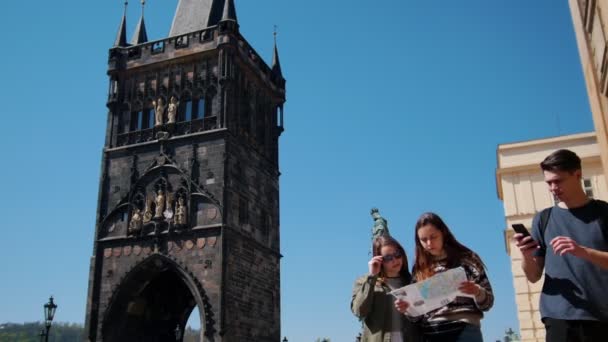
(60, 332)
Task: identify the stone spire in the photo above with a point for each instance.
(276, 63)
(121, 37)
(229, 11)
(140, 36)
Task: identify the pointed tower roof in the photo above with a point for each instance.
(140, 36)
(195, 15)
(276, 63)
(121, 37)
(229, 11)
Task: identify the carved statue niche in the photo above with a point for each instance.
(159, 203)
(159, 110)
(172, 109)
(148, 214)
(168, 212)
(181, 211)
(136, 222)
(137, 215)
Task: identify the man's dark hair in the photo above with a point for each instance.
(561, 160)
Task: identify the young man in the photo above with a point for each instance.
(572, 248)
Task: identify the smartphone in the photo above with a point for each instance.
(520, 228)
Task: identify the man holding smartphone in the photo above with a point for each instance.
(572, 248)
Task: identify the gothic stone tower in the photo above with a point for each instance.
(188, 213)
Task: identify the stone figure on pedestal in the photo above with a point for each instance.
(159, 202)
(181, 212)
(159, 110)
(136, 222)
(172, 109)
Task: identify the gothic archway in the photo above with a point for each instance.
(152, 304)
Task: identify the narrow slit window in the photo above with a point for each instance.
(587, 185)
(188, 113)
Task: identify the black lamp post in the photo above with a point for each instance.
(49, 314)
(285, 339)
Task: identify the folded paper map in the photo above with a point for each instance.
(432, 293)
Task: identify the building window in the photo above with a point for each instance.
(185, 110)
(598, 41)
(123, 125)
(588, 187)
(582, 7)
(199, 107)
(147, 119)
(188, 113)
(136, 120)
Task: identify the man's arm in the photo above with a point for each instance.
(531, 264)
(563, 245)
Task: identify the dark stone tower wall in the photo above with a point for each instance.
(220, 156)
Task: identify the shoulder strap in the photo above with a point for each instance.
(544, 220)
(602, 207)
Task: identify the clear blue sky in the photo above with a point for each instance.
(395, 104)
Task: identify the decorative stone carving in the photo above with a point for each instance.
(181, 212)
(160, 203)
(136, 222)
(148, 211)
(172, 109)
(159, 110)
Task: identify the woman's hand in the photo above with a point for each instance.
(470, 288)
(374, 265)
(401, 305)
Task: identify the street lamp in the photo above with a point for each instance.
(285, 339)
(49, 314)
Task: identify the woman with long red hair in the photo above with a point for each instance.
(437, 250)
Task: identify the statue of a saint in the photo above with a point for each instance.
(168, 213)
(181, 212)
(159, 110)
(380, 224)
(160, 204)
(136, 222)
(148, 210)
(172, 109)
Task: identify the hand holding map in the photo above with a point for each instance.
(432, 293)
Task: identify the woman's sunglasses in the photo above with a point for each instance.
(391, 257)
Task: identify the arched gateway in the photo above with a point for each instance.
(188, 210)
(153, 303)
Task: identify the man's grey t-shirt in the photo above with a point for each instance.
(574, 289)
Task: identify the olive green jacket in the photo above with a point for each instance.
(372, 303)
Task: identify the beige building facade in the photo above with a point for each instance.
(521, 187)
(590, 21)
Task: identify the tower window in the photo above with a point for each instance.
(199, 107)
(136, 120)
(588, 187)
(188, 111)
(147, 119)
(151, 114)
(184, 111)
